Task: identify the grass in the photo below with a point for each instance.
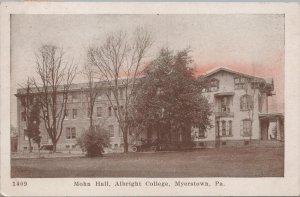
(224, 162)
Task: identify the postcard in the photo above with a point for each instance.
(148, 99)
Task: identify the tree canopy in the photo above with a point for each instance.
(170, 95)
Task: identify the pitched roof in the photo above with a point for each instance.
(268, 80)
(226, 69)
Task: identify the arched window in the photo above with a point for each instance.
(246, 102)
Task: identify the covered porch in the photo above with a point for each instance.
(271, 126)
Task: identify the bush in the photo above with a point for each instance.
(93, 141)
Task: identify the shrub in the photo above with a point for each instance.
(93, 141)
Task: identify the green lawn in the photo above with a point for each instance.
(225, 162)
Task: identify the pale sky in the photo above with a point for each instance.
(248, 43)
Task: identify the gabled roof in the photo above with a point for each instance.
(268, 80)
(218, 69)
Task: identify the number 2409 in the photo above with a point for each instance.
(19, 183)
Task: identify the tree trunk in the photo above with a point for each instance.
(54, 146)
(29, 142)
(91, 123)
(39, 146)
(125, 141)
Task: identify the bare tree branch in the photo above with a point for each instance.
(55, 77)
(118, 62)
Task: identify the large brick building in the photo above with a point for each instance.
(238, 115)
(76, 120)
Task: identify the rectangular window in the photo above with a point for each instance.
(70, 133)
(111, 131)
(69, 98)
(239, 82)
(214, 85)
(230, 127)
(120, 132)
(74, 98)
(225, 104)
(73, 133)
(23, 101)
(109, 111)
(99, 96)
(246, 128)
(236, 80)
(223, 128)
(25, 135)
(201, 132)
(67, 114)
(74, 114)
(99, 111)
(246, 102)
(217, 128)
(23, 116)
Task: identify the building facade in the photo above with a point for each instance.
(240, 114)
(77, 119)
(239, 103)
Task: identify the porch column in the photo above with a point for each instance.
(278, 129)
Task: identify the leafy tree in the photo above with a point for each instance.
(171, 100)
(94, 141)
(26, 102)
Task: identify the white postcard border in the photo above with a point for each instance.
(289, 185)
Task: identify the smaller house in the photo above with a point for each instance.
(240, 110)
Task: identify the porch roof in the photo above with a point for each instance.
(224, 94)
(271, 115)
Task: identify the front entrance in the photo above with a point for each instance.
(264, 127)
